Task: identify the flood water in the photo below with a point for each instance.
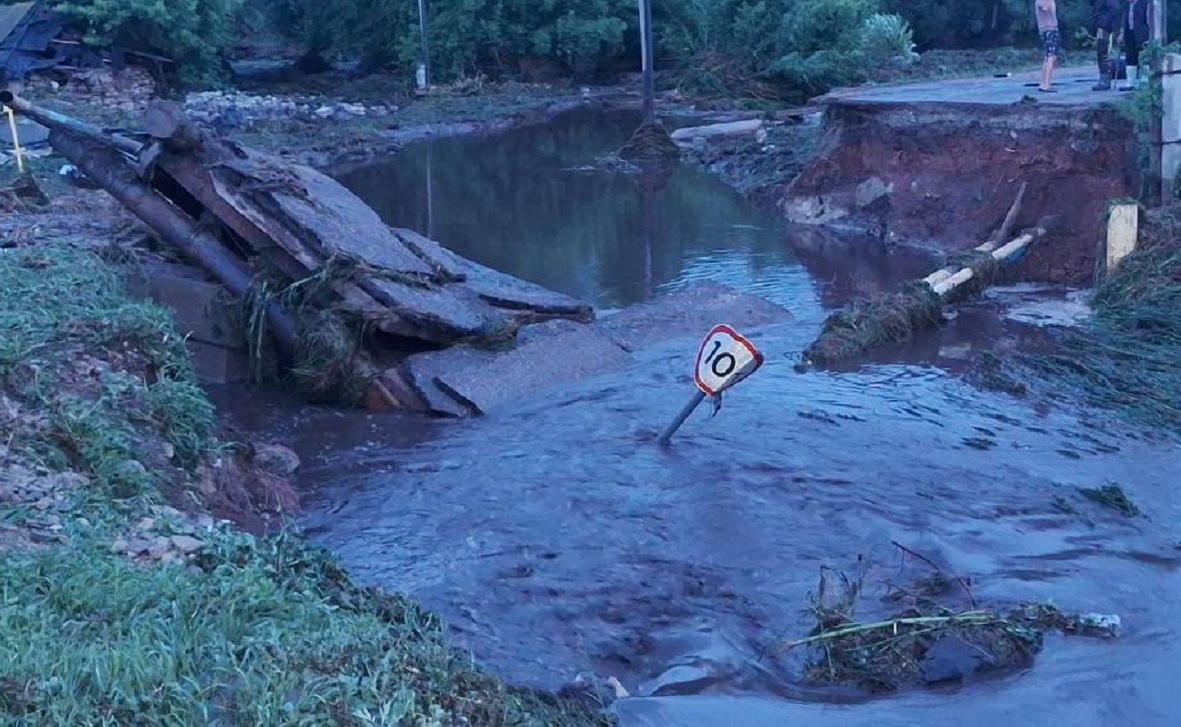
(557, 538)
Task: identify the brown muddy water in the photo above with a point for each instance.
(557, 538)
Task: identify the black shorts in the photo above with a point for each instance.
(1050, 41)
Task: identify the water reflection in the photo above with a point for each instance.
(533, 203)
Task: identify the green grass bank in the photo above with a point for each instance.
(130, 592)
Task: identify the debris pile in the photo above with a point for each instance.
(343, 297)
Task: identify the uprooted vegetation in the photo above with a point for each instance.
(937, 635)
(1125, 358)
(203, 623)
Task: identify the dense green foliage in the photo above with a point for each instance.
(193, 32)
(805, 45)
(778, 47)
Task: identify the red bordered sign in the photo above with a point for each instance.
(724, 359)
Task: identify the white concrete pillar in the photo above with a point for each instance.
(1170, 124)
(1122, 233)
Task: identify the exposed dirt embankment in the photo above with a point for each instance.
(944, 175)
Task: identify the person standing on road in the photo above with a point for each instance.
(1046, 12)
(1105, 18)
(1137, 31)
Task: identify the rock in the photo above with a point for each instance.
(159, 546)
(952, 659)
(324, 112)
(276, 459)
(136, 546)
(187, 544)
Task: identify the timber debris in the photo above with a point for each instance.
(342, 297)
(918, 305)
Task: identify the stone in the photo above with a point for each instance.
(276, 459)
(951, 659)
(187, 544)
(159, 546)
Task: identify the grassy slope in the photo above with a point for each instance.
(250, 630)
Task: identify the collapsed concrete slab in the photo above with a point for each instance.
(338, 291)
(466, 380)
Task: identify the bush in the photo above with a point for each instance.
(887, 38)
(194, 33)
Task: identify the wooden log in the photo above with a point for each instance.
(1005, 252)
(113, 173)
(166, 121)
(728, 128)
(940, 276)
(1010, 218)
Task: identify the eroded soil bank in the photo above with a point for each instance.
(944, 175)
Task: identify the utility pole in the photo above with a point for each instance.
(646, 50)
(424, 66)
(1158, 181)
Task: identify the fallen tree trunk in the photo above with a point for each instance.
(862, 325)
(1000, 235)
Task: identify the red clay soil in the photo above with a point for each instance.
(953, 171)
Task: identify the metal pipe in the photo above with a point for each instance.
(698, 397)
(56, 121)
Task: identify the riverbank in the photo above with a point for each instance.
(148, 573)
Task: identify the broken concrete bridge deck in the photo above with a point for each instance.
(1072, 89)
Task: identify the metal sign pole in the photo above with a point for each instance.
(426, 63)
(648, 62)
(698, 397)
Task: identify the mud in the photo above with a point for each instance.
(944, 175)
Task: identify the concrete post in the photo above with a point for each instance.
(1170, 125)
(1122, 232)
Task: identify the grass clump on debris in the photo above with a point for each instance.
(865, 324)
(929, 639)
(117, 609)
(1126, 358)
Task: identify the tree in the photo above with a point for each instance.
(195, 33)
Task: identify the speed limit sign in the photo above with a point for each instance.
(724, 359)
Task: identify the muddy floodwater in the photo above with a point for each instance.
(557, 538)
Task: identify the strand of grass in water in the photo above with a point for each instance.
(976, 617)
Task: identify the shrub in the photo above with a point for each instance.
(887, 38)
(194, 33)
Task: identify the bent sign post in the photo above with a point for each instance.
(724, 359)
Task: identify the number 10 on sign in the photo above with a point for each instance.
(724, 359)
